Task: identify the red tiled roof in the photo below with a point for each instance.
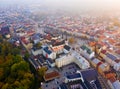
(112, 79)
(118, 51)
(103, 51)
(51, 75)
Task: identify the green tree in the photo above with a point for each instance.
(71, 40)
(41, 73)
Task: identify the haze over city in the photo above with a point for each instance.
(59, 44)
(76, 5)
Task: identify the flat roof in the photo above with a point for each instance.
(73, 76)
(89, 74)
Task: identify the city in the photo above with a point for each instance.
(43, 46)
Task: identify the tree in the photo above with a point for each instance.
(15, 51)
(41, 73)
(14, 71)
(38, 45)
(5, 86)
(71, 40)
(27, 55)
(1, 73)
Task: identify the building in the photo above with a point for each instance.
(48, 53)
(51, 75)
(64, 60)
(50, 62)
(86, 52)
(112, 60)
(36, 38)
(57, 46)
(81, 62)
(41, 60)
(34, 63)
(66, 49)
(100, 66)
(74, 77)
(114, 84)
(70, 58)
(90, 77)
(36, 51)
(84, 79)
(26, 43)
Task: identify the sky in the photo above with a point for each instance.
(68, 4)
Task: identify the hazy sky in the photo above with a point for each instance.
(71, 4)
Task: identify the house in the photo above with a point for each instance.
(51, 75)
(72, 58)
(50, 62)
(100, 66)
(114, 84)
(84, 79)
(36, 51)
(64, 60)
(66, 49)
(26, 43)
(48, 53)
(87, 52)
(34, 63)
(41, 60)
(36, 38)
(81, 62)
(90, 77)
(57, 46)
(111, 59)
(73, 77)
(5, 31)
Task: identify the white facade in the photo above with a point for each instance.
(58, 49)
(86, 54)
(36, 52)
(52, 55)
(114, 85)
(117, 66)
(109, 61)
(65, 51)
(70, 58)
(21, 34)
(64, 60)
(36, 41)
(102, 66)
(81, 62)
(112, 62)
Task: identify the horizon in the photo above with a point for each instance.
(71, 5)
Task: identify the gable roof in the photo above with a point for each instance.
(47, 50)
(51, 75)
(67, 47)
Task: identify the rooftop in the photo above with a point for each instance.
(86, 48)
(89, 74)
(73, 76)
(47, 50)
(111, 56)
(67, 47)
(51, 75)
(50, 60)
